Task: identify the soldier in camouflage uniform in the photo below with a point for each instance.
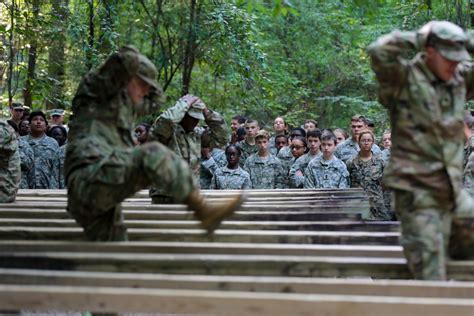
(265, 170)
(211, 160)
(177, 129)
(279, 128)
(248, 146)
(366, 171)
(45, 174)
(350, 147)
(103, 167)
(59, 133)
(298, 168)
(9, 163)
(425, 97)
(326, 171)
(231, 177)
(286, 156)
(27, 159)
(469, 136)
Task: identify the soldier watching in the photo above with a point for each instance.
(310, 125)
(298, 168)
(231, 177)
(16, 110)
(425, 97)
(341, 135)
(9, 163)
(279, 128)
(248, 146)
(280, 142)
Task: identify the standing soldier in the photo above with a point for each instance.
(9, 163)
(425, 97)
(103, 167)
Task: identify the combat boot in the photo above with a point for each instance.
(212, 213)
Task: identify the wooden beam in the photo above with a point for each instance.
(220, 303)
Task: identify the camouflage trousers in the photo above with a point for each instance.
(425, 230)
(95, 191)
(9, 177)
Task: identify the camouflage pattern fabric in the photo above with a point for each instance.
(102, 166)
(427, 146)
(368, 176)
(326, 174)
(209, 166)
(468, 149)
(9, 163)
(386, 155)
(349, 149)
(469, 175)
(27, 158)
(265, 173)
(287, 159)
(231, 179)
(247, 150)
(62, 157)
(45, 174)
(297, 181)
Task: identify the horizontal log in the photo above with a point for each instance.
(188, 215)
(252, 225)
(205, 248)
(408, 288)
(220, 303)
(220, 235)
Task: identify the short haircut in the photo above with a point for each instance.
(343, 132)
(239, 118)
(468, 119)
(235, 147)
(366, 131)
(315, 133)
(358, 117)
(303, 132)
(311, 121)
(280, 136)
(37, 113)
(262, 134)
(145, 125)
(327, 136)
(251, 121)
(241, 132)
(61, 128)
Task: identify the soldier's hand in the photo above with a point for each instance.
(423, 34)
(190, 99)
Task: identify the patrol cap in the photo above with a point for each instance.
(449, 40)
(57, 112)
(195, 110)
(17, 106)
(262, 134)
(147, 71)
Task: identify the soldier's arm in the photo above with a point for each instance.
(344, 181)
(165, 124)
(217, 126)
(247, 183)
(309, 179)
(213, 182)
(296, 176)
(280, 181)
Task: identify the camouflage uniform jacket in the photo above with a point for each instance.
(45, 173)
(9, 163)
(386, 155)
(368, 176)
(209, 166)
(62, 157)
(231, 179)
(169, 132)
(326, 174)
(27, 158)
(247, 150)
(427, 117)
(349, 149)
(287, 159)
(469, 175)
(468, 149)
(265, 173)
(300, 164)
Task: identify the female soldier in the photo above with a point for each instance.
(366, 171)
(231, 177)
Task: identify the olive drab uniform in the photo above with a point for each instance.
(349, 149)
(426, 113)
(300, 164)
(368, 176)
(9, 163)
(169, 132)
(102, 165)
(326, 174)
(231, 179)
(266, 172)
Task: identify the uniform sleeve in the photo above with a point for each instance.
(280, 181)
(8, 141)
(247, 183)
(296, 181)
(218, 128)
(56, 176)
(344, 182)
(309, 179)
(388, 55)
(210, 166)
(213, 182)
(165, 124)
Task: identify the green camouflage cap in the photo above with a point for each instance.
(195, 110)
(58, 112)
(147, 71)
(449, 40)
(17, 106)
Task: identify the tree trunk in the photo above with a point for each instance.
(11, 55)
(190, 48)
(56, 53)
(91, 40)
(30, 75)
(107, 44)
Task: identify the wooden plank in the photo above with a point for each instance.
(246, 225)
(205, 248)
(408, 288)
(221, 303)
(220, 235)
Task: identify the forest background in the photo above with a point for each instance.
(261, 58)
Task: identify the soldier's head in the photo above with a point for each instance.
(38, 123)
(57, 116)
(297, 132)
(281, 141)
(232, 154)
(24, 127)
(445, 46)
(59, 133)
(143, 81)
(193, 115)
(141, 132)
(387, 140)
(328, 144)
(236, 122)
(299, 147)
(366, 140)
(279, 125)
(240, 133)
(261, 139)
(314, 141)
(341, 135)
(310, 125)
(358, 123)
(251, 128)
(17, 109)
